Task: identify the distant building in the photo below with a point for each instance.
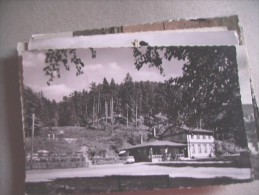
(175, 143)
(200, 142)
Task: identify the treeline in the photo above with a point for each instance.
(103, 103)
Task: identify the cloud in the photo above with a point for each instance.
(100, 67)
(114, 66)
(53, 91)
(31, 59)
(94, 67)
(57, 91)
(96, 72)
(148, 76)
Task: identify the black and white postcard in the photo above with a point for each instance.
(130, 118)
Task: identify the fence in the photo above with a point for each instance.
(156, 158)
(165, 157)
(108, 160)
(57, 163)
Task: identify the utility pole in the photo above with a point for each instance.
(98, 108)
(127, 116)
(136, 119)
(32, 136)
(93, 110)
(98, 105)
(111, 110)
(106, 114)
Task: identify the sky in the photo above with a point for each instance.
(109, 63)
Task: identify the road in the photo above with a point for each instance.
(137, 169)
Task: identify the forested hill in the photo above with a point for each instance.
(116, 102)
(152, 104)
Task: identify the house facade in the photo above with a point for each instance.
(175, 143)
(200, 142)
(157, 150)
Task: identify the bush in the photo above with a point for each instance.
(117, 144)
(92, 152)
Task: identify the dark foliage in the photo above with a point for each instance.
(208, 91)
(57, 59)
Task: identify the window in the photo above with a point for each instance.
(193, 149)
(180, 137)
(204, 136)
(198, 136)
(192, 136)
(211, 147)
(199, 148)
(205, 148)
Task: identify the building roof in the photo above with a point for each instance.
(184, 129)
(198, 130)
(156, 143)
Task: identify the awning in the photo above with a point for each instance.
(158, 143)
(43, 151)
(122, 152)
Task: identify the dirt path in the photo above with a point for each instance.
(137, 169)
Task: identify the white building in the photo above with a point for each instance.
(200, 142)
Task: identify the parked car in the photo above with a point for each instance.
(35, 158)
(130, 159)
